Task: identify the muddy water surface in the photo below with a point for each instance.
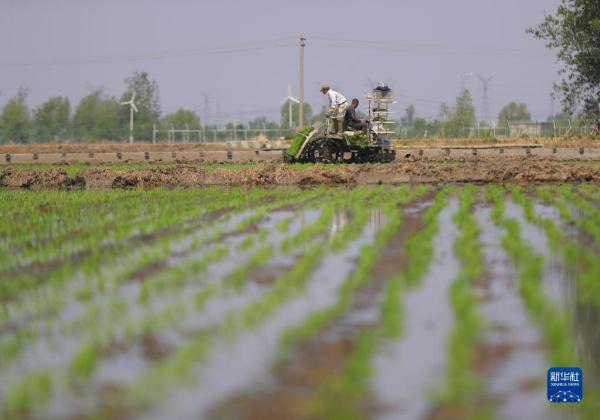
(406, 370)
(512, 357)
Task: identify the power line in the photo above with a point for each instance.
(424, 48)
(283, 42)
(222, 49)
(517, 56)
(440, 48)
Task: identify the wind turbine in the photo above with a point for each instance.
(132, 109)
(290, 99)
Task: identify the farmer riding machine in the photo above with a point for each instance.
(317, 144)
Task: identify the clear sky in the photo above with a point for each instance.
(244, 53)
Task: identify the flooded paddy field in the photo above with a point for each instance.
(375, 302)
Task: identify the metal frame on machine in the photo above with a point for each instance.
(379, 110)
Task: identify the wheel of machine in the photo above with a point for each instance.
(358, 157)
(287, 158)
(326, 150)
(308, 155)
(364, 155)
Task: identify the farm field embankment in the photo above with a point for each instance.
(384, 302)
(142, 146)
(151, 175)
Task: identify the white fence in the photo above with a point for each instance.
(513, 129)
(203, 134)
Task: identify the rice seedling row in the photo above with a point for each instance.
(121, 243)
(175, 274)
(460, 390)
(146, 254)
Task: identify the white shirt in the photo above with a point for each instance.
(335, 98)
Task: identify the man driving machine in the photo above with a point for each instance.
(351, 121)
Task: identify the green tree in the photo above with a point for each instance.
(51, 119)
(464, 112)
(180, 118)
(97, 117)
(513, 112)
(421, 124)
(16, 118)
(237, 126)
(575, 32)
(455, 121)
(261, 122)
(147, 100)
(409, 116)
(445, 112)
(285, 114)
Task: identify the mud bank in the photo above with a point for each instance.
(224, 144)
(105, 147)
(530, 169)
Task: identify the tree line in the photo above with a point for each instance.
(99, 116)
(460, 119)
(96, 116)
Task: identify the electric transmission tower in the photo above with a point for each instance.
(218, 112)
(206, 110)
(485, 100)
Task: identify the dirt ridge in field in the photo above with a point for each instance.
(107, 147)
(527, 169)
(161, 146)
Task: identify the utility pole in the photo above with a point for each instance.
(290, 105)
(485, 98)
(301, 110)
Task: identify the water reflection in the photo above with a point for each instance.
(377, 218)
(587, 335)
(585, 315)
(341, 219)
(338, 222)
